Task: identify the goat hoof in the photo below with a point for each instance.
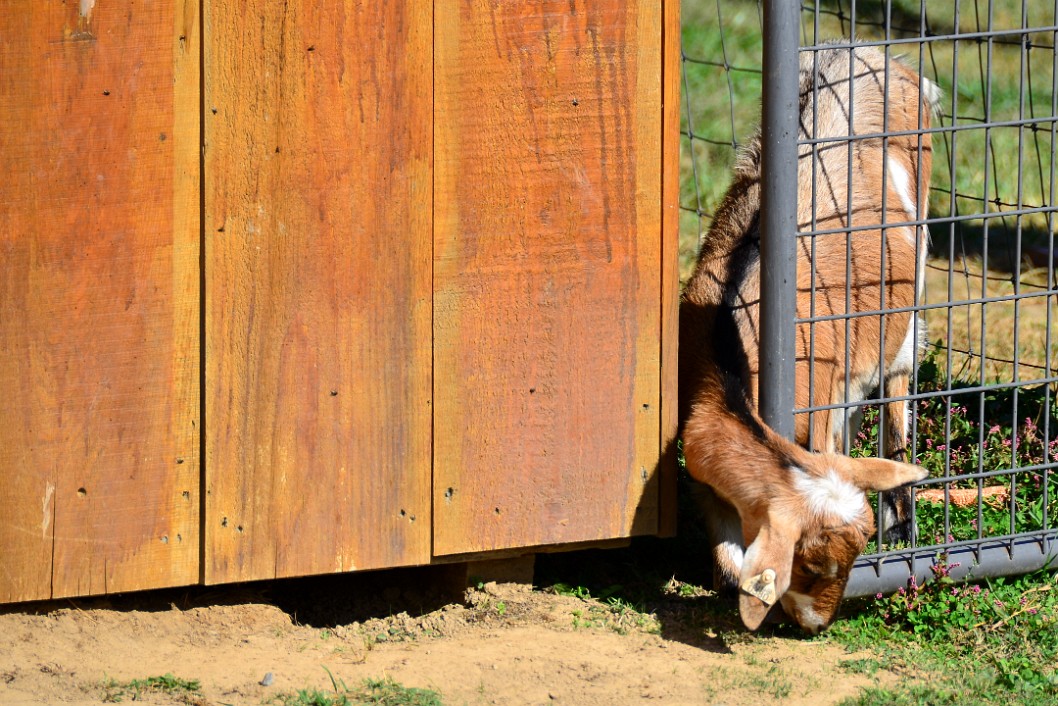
(900, 533)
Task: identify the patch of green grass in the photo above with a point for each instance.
(765, 679)
(914, 695)
(868, 666)
(608, 610)
(383, 692)
(987, 642)
(759, 677)
(183, 690)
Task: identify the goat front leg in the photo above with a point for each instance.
(724, 528)
(896, 504)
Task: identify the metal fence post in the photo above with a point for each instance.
(779, 213)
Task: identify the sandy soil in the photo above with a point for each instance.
(502, 644)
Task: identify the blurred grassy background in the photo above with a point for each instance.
(978, 170)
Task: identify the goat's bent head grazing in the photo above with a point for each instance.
(801, 549)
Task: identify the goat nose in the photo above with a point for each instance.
(810, 621)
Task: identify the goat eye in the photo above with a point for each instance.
(810, 571)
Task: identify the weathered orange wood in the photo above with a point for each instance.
(99, 349)
(318, 302)
(547, 283)
(670, 273)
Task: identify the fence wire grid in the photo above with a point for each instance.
(983, 409)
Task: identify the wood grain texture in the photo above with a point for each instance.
(99, 305)
(318, 301)
(547, 277)
(670, 273)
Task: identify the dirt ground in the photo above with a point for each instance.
(500, 644)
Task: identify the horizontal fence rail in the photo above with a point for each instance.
(1004, 556)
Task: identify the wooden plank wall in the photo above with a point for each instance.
(547, 279)
(390, 378)
(99, 257)
(318, 198)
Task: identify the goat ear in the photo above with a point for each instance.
(765, 574)
(881, 474)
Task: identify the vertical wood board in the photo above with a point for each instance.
(99, 300)
(670, 269)
(547, 277)
(318, 303)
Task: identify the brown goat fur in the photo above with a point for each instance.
(780, 490)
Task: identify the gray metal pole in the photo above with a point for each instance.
(779, 213)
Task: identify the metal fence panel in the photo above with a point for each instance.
(982, 398)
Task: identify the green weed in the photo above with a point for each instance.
(914, 695)
(184, 690)
(563, 589)
(371, 691)
(967, 433)
(1001, 634)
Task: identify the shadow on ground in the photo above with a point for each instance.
(665, 580)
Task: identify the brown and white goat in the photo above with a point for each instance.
(788, 523)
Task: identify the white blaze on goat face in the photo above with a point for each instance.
(802, 609)
(829, 496)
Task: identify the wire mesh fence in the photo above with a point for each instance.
(982, 405)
